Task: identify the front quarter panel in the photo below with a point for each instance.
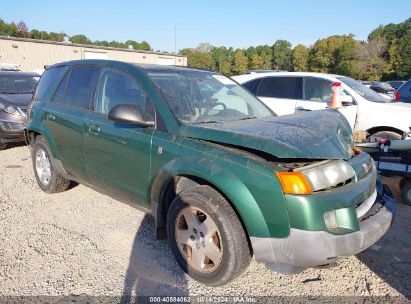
(253, 190)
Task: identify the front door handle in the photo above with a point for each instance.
(93, 129)
(300, 108)
(50, 117)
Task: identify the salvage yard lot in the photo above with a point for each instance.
(82, 242)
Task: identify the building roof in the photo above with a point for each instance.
(86, 46)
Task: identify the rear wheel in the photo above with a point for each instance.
(48, 179)
(406, 193)
(207, 237)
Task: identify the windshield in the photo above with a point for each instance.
(362, 90)
(18, 84)
(204, 97)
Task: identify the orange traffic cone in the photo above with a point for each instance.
(336, 98)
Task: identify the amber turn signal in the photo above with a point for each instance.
(294, 183)
(356, 150)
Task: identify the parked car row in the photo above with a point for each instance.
(224, 177)
(292, 92)
(16, 90)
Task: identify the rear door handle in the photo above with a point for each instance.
(93, 129)
(50, 117)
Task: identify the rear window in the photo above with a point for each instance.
(280, 87)
(49, 82)
(79, 88)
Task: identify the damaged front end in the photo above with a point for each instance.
(347, 211)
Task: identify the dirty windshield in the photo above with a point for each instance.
(197, 97)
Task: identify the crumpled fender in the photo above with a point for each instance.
(223, 180)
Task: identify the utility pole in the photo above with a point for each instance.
(175, 44)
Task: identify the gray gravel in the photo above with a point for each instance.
(82, 242)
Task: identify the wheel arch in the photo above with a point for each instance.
(178, 177)
(374, 130)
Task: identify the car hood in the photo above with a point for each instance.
(19, 100)
(312, 135)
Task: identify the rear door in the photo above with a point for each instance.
(117, 155)
(280, 93)
(64, 117)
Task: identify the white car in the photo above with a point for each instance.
(292, 92)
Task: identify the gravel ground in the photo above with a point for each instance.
(83, 243)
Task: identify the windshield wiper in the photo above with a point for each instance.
(206, 122)
(248, 117)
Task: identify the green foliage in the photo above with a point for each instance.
(404, 52)
(240, 62)
(299, 58)
(385, 55)
(282, 55)
(332, 54)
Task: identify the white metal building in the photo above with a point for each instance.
(33, 54)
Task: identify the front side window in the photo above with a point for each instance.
(362, 90)
(280, 87)
(201, 97)
(116, 87)
(317, 89)
(80, 86)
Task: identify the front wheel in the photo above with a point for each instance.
(48, 178)
(207, 237)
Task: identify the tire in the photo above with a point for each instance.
(3, 146)
(383, 134)
(48, 179)
(406, 193)
(224, 254)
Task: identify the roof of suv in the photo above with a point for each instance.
(141, 66)
(247, 77)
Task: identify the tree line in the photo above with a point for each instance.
(21, 30)
(386, 54)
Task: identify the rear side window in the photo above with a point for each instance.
(280, 87)
(252, 85)
(316, 89)
(49, 82)
(80, 86)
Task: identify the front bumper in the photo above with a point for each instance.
(303, 249)
(12, 128)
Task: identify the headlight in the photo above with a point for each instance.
(10, 109)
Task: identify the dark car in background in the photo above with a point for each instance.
(16, 91)
(382, 88)
(403, 94)
(396, 83)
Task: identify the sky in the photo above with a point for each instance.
(235, 23)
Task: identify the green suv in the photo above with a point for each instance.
(222, 175)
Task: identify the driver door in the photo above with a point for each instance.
(117, 155)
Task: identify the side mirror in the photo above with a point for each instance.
(130, 114)
(346, 100)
